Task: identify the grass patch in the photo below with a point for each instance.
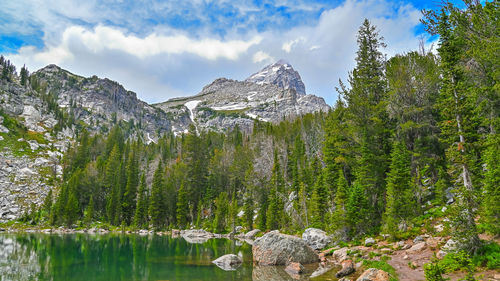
(382, 265)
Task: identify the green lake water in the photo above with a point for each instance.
(124, 257)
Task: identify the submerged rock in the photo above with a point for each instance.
(294, 268)
(228, 262)
(280, 249)
(316, 238)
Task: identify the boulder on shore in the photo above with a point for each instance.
(196, 235)
(228, 262)
(251, 234)
(347, 268)
(369, 241)
(316, 238)
(373, 274)
(275, 248)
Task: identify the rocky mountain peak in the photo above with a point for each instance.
(281, 74)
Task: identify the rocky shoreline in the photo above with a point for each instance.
(300, 258)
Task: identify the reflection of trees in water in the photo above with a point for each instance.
(114, 257)
(25, 267)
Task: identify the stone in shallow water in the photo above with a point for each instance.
(228, 262)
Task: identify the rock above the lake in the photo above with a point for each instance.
(347, 268)
(316, 238)
(196, 235)
(373, 274)
(228, 262)
(369, 241)
(275, 248)
(341, 254)
(251, 234)
(294, 268)
(417, 247)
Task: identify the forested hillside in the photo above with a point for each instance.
(411, 143)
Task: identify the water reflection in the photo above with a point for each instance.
(116, 257)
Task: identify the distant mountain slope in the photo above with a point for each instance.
(273, 94)
(101, 102)
(281, 74)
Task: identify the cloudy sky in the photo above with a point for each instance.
(164, 49)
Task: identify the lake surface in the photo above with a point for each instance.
(124, 257)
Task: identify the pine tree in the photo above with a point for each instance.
(368, 122)
(319, 201)
(182, 207)
(263, 203)
(47, 203)
(400, 203)
(141, 210)
(273, 215)
(303, 202)
(339, 221)
(233, 212)
(459, 128)
(111, 183)
(156, 202)
(248, 204)
(248, 210)
(24, 75)
(221, 212)
(72, 210)
(356, 210)
(89, 212)
(129, 197)
(491, 205)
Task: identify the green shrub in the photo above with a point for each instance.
(488, 256)
(433, 271)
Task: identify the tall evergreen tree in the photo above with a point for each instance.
(319, 201)
(130, 195)
(156, 203)
(182, 207)
(367, 119)
(141, 210)
(339, 222)
(221, 212)
(400, 198)
(491, 205)
(459, 127)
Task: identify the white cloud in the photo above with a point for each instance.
(261, 56)
(106, 38)
(287, 46)
(167, 62)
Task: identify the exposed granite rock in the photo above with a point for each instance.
(225, 103)
(373, 274)
(275, 248)
(316, 238)
(281, 74)
(228, 262)
(347, 268)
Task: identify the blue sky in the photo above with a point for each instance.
(164, 49)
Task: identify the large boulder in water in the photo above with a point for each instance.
(275, 248)
(316, 238)
(228, 262)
